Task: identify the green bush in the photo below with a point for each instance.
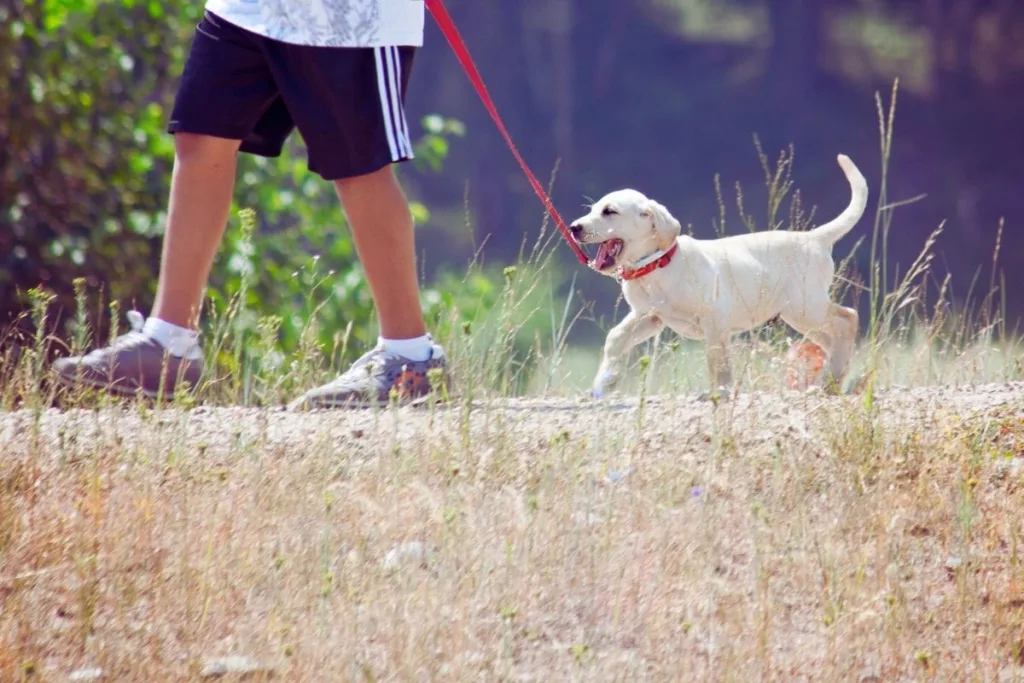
(83, 154)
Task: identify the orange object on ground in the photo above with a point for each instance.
(804, 362)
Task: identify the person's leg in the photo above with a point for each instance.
(164, 350)
(348, 103)
(357, 138)
(382, 229)
(226, 99)
(202, 185)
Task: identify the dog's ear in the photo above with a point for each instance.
(666, 228)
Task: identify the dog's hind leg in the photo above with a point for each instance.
(634, 329)
(842, 325)
(834, 329)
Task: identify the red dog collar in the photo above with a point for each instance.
(659, 262)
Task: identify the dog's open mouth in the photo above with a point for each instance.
(607, 254)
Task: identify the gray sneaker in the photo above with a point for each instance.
(372, 378)
(133, 364)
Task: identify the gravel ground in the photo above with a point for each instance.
(763, 414)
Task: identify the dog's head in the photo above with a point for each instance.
(626, 226)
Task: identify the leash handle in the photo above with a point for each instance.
(451, 33)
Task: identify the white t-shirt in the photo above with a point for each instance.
(328, 23)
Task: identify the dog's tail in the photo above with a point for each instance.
(835, 229)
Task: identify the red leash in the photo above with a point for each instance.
(447, 26)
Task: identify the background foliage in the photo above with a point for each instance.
(662, 95)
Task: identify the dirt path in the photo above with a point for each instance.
(751, 414)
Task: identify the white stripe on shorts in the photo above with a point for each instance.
(394, 71)
(385, 104)
(398, 104)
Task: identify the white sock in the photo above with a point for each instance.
(179, 341)
(417, 348)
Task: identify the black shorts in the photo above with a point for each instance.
(347, 103)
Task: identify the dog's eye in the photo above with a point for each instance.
(608, 211)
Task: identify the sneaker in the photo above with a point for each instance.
(134, 363)
(372, 378)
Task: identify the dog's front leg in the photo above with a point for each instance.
(633, 329)
(719, 365)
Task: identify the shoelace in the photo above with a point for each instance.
(362, 364)
(135, 337)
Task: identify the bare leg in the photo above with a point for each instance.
(633, 329)
(382, 230)
(201, 189)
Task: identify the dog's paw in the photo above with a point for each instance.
(603, 383)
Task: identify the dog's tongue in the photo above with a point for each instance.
(605, 255)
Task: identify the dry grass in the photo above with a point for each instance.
(795, 539)
(777, 536)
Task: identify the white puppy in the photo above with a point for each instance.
(711, 289)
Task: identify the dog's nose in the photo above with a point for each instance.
(576, 229)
